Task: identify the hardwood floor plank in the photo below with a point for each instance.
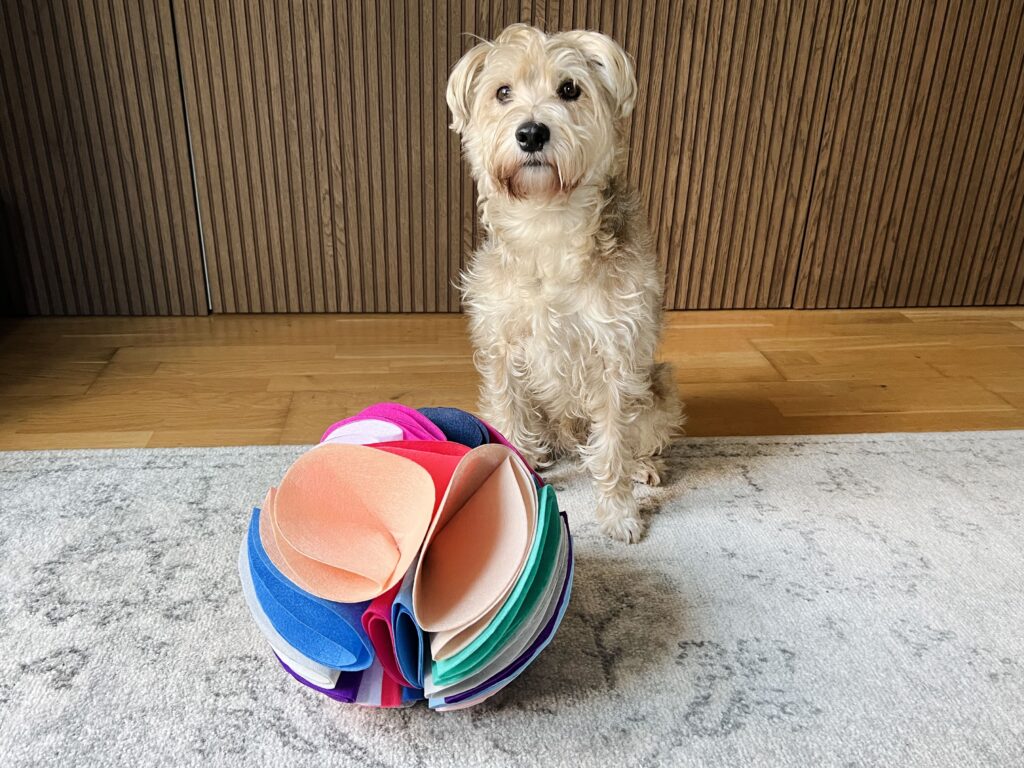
(210, 438)
(236, 379)
(849, 343)
(152, 412)
(55, 377)
(722, 422)
(312, 412)
(278, 353)
(176, 386)
(843, 398)
(979, 361)
(16, 441)
(851, 364)
(269, 368)
(1010, 388)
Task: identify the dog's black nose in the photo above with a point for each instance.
(532, 136)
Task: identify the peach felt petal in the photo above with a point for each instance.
(314, 577)
(320, 497)
(348, 520)
(497, 437)
(320, 579)
(449, 642)
(269, 537)
(476, 545)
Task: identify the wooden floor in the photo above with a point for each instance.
(232, 380)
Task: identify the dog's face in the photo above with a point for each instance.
(541, 115)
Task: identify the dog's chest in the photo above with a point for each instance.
(549, 303)
(556, 325)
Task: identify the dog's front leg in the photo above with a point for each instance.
(505, 401)
(609, 456)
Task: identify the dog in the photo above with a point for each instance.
(564, 296)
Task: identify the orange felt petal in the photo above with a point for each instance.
(348, 520)
(312, 576)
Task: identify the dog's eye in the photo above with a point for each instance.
(568, 91)
(504, 94)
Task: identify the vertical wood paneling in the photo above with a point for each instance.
(807, 152)
(96, 203)
(328, 179)
(723, 140)
(790, 153)
(813, 153)
(915, 200)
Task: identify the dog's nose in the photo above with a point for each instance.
(532, 136)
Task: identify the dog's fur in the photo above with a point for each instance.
(564, 297)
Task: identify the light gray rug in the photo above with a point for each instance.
(854, 601)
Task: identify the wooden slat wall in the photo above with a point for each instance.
(811, 153)
(729, 119)
(329, 180)
(917, 197)
(97, 212)
(327, 176)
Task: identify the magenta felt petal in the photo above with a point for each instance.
(497, 437)
(377, 623)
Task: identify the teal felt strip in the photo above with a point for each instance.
(521, 602)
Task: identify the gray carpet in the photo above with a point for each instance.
(851, 601)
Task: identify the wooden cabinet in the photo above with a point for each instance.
(97, 211)
(791, 153)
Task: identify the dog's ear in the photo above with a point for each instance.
(613, 66)
(461, 84)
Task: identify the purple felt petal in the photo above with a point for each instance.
(345, 690)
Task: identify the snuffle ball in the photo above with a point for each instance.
(411, 555)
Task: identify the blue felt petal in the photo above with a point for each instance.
(458, 426)
(411, 645)
(325, 631)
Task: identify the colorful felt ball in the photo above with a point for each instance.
(411, 555)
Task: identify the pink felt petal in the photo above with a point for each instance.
(377, 623)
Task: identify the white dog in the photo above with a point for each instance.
(564, 297)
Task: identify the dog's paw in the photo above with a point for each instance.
(648, 471)
(619, 516)
(628, 530)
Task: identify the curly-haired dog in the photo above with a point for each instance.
(564, 297)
